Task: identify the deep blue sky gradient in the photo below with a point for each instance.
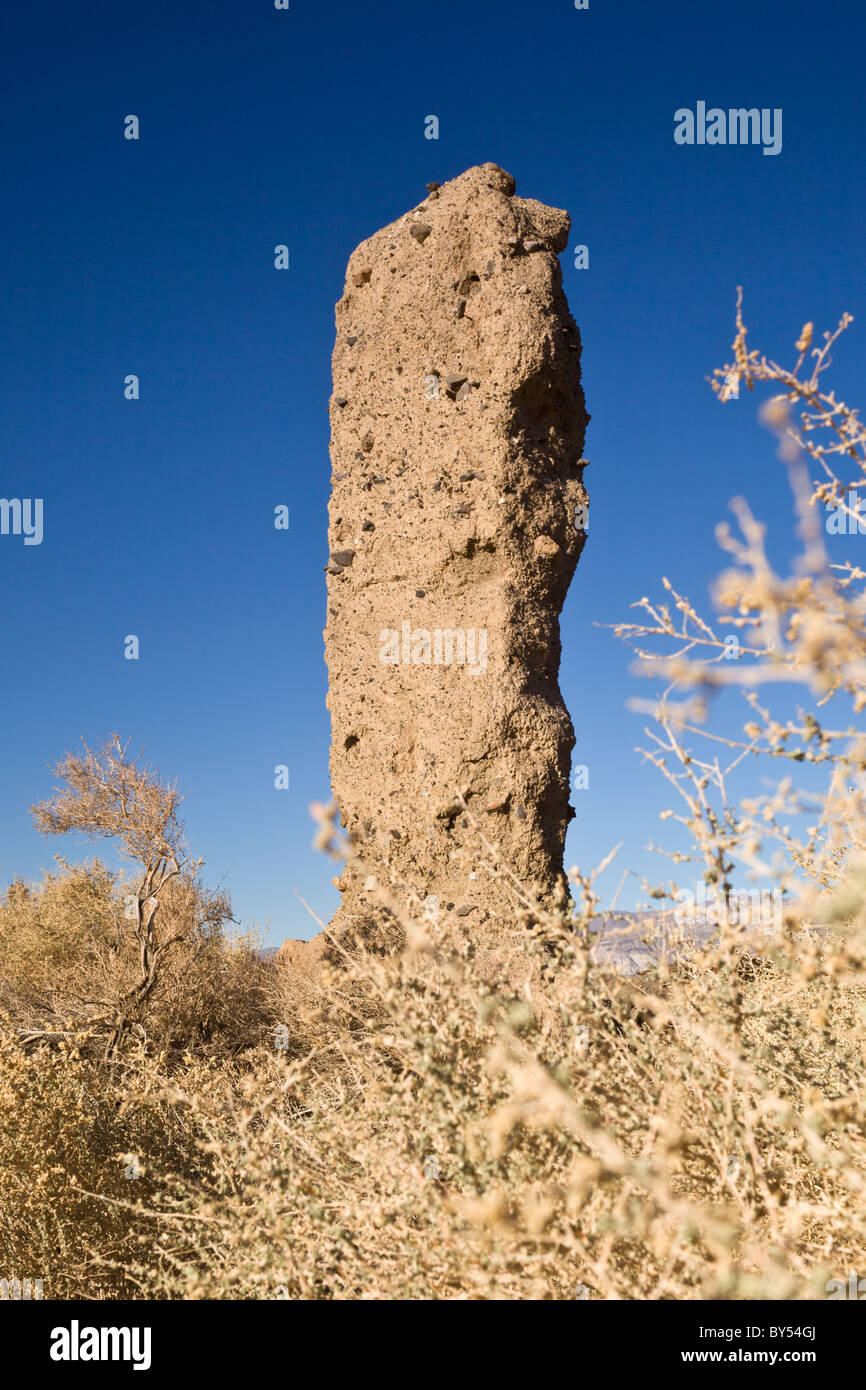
(155, 257)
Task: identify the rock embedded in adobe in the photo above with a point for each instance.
(457, 430)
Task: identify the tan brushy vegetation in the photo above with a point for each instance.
(99, 957)
(477, 1116)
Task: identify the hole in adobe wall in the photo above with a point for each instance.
(475, 547)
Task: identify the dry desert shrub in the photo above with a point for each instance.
(697, 1136)
(73, 1140)
(150, 954)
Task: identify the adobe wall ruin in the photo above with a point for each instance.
(457, 517)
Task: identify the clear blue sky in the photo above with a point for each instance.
(155, 257)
